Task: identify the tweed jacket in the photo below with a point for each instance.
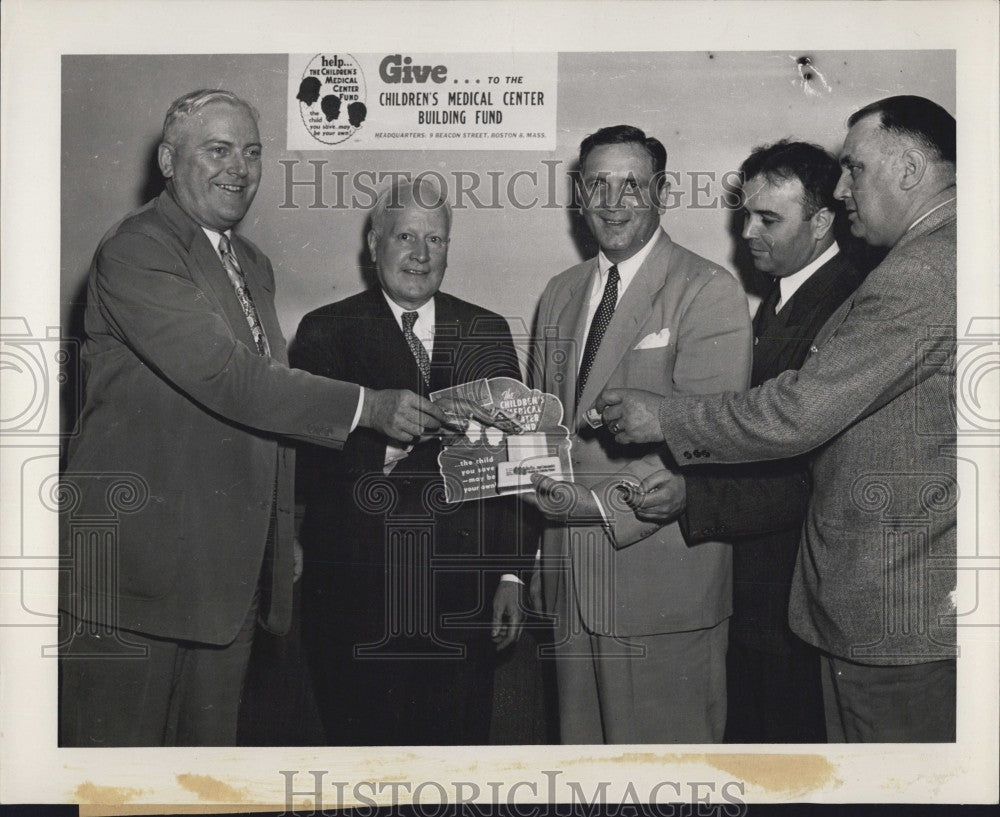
(874, 404)
(760, 507)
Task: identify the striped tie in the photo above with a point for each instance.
(232, 267)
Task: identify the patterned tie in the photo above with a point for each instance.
(602, 317)
(239, 283)
(419, 352)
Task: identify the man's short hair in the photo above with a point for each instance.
(191, 103)
(815, 168)
(925, 122)
(421, 191)
(626, 135)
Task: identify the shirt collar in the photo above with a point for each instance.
(214, 236)
(627, 268)
(424, 325)
(791, 283)
(938, 207)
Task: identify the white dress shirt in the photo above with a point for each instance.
(791, 283)
(626, 272)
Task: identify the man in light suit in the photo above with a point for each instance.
(641, 617)
(874, 408)
(185, 435)
(402, 590)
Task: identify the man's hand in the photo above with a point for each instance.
(297, 560)
(400, 414)
(508, 614)
(562, 501)
(631, 415)
(661, 497)
(535, 589)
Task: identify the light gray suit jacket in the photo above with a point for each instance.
(875, 405)
(643, 579)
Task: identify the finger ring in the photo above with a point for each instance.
(614, 428)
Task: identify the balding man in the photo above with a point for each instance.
(873, 405)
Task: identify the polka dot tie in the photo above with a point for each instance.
(598, 326)
(419, 352)
(239, 282)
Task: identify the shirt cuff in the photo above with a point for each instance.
(510, 577)
(357, 411)
(600, 507)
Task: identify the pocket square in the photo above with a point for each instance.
(655, 340)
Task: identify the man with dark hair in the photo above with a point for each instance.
(873, 406)
(641, 627)
(772, 676)
(190, 412)
(918, 118)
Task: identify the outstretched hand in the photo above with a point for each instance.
(661, 497)
(400, 414)
(562, 501)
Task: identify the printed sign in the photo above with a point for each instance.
(402, 100)
(510, 433)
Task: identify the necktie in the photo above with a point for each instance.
(419, 352)
(598, 326)
(239, 282)
(766, 313)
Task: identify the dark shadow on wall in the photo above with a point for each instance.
(73, 333)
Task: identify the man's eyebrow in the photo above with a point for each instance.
(770, 213)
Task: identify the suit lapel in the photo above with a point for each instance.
(262, 292)
(447, 340)
(573, 315)
(206, 267)
(819, 288)
(391, 352)
(634, 308)
(209, 265)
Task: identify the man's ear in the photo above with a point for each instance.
(372, 244)
(822, 222)
(661, 189)
(165, 159)
(914, 162)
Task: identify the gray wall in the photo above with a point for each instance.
(709, 109)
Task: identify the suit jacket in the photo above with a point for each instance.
(761, 508)
(874, 404)
(180, 457)
(642, 579)
(353, 509)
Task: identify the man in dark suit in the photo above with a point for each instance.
(642, 617)
(873, 405)
(190, 409)
(772, 676)
(401, 588)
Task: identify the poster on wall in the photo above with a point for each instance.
(414, 101)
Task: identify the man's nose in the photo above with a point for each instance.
(843, 188)
(420, 252)
(238, 164)
(749, 228)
